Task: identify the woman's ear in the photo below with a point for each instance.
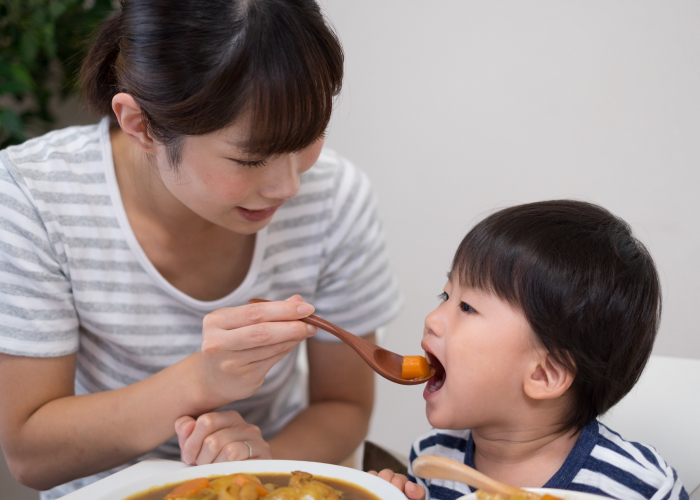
(130, 120)
(548, 379)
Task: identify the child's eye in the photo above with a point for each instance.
(444, 297)
(466, 307)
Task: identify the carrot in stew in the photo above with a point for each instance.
(414, 367)
(243, 480)
(189, 488)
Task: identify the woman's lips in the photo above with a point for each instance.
(257, 215)
(437, 380)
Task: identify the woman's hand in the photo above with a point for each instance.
(219, 437)
(241, 344)
(412, 490)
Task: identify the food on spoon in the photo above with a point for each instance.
(300, 486)
(526, 495)
(413, 367)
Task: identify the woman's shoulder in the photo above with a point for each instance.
(52, 144)
(63, 158)
(335, 171)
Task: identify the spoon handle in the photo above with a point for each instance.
(435, 467)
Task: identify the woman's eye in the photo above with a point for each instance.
(466, 307)
(253, 164)
(443, 296)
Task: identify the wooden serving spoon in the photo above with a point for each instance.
(385, 363)
(435, 467)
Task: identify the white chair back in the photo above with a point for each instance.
(663, 410)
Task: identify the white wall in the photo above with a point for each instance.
(455, 108)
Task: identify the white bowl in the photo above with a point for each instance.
(381, 488)
(565, 494)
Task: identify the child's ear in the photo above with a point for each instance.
(548, 379)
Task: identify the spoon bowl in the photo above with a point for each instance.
(385, 363)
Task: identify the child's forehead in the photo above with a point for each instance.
(458, 284)
(462, 285)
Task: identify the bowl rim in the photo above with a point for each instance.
(379, 487)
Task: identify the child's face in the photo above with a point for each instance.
(486, 348)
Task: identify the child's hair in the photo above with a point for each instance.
(588, 288)
(195, 66)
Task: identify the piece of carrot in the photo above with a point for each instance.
(414, 367)
(243, 480)
(189, 488)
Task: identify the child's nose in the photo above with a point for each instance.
(434, 323)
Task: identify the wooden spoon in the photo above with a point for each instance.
(435, 467)
(385, 363)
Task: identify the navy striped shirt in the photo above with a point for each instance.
(601, 462)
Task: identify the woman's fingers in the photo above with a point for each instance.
(221, 436)
(240, 345)
(229, 318)
(244, 450)
(183, 428)
(254, 336)
(205, 426)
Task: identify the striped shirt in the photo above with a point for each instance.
(601, 463)
(74, 279)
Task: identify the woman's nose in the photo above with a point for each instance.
(282, 182)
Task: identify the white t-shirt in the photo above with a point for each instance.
(73, 277)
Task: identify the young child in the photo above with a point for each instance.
(547, 320)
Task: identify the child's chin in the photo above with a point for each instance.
(437, 419)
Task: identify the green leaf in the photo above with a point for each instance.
(57, 9)
(11, 122)
(13, 88)
(28, 47)
(21, 74)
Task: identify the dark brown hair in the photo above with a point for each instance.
(195, 66)
(588, 288)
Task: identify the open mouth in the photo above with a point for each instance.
(437, 380)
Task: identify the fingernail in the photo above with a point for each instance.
(305, 309)
(311, 329)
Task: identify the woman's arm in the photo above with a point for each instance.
(50, 436)
(341, 396)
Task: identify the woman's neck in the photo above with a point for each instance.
(143, 193)
(526, 456)
(198, 257)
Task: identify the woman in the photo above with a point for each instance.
(130, 249)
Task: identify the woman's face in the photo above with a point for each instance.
(217, 180)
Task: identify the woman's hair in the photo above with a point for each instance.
(195, 66)
(588, 288)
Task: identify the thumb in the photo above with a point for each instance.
(184, 427)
